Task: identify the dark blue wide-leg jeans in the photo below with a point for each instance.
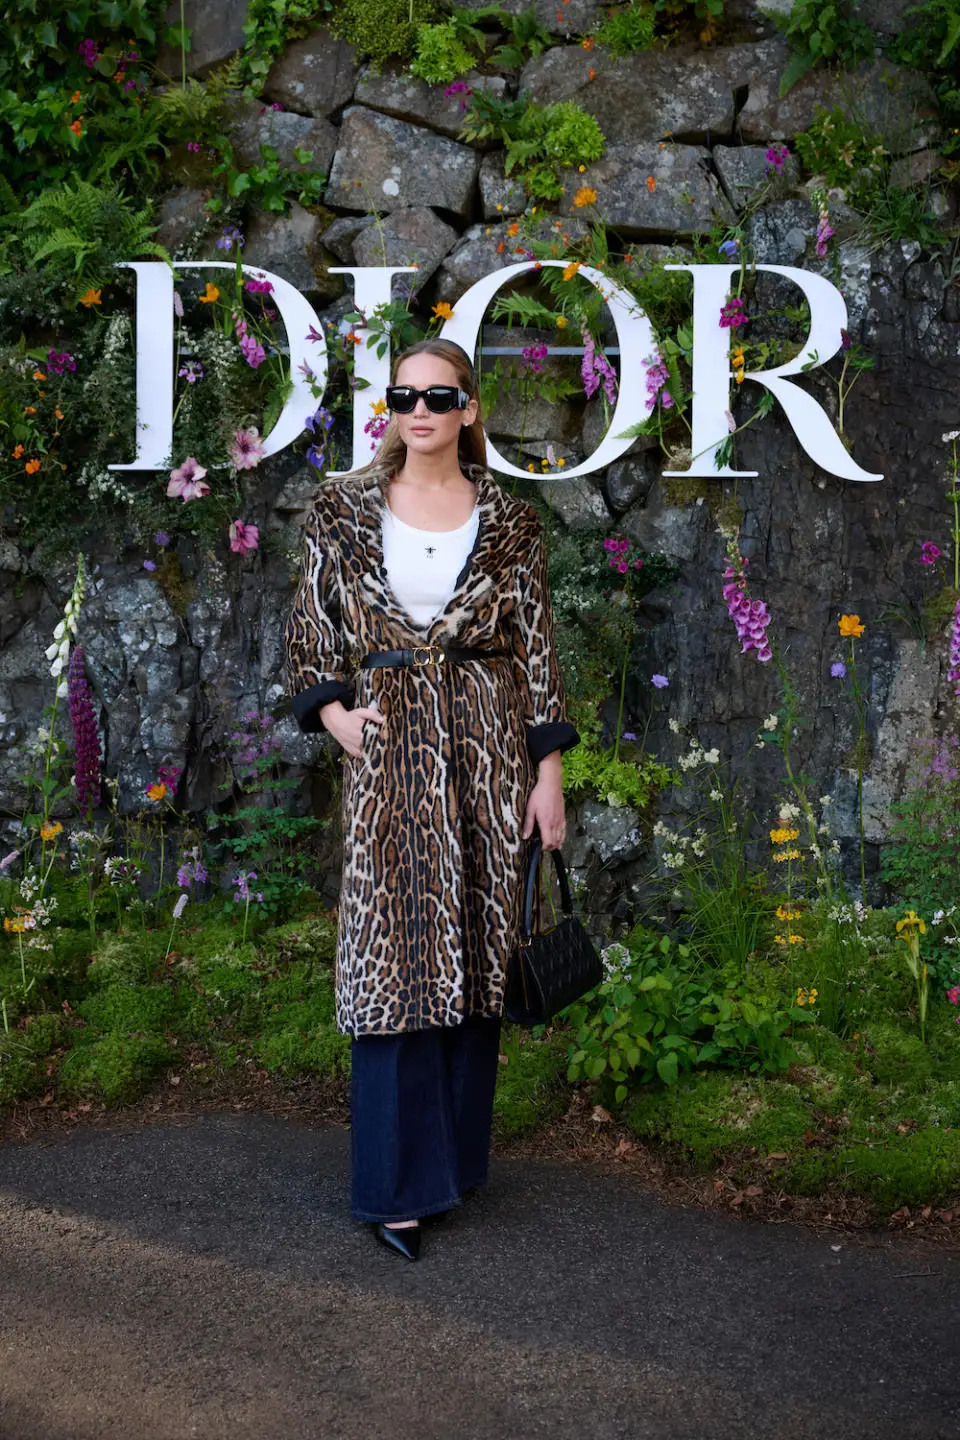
(421, 1111)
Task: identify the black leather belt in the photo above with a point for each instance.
(430, 655)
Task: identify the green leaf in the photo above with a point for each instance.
(795, 69)
(667, 1068)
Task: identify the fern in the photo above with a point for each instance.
(77, 231)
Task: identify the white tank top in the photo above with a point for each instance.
(422, 565)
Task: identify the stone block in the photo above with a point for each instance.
(407, 237)
(559, 17)
(744, 170)
(314, 76)
(476, 255)
(912, 171)
(181, 219)
(253, 125)
(649, 189)
(500, 189)
(400, 165)
(394, 91)
(285, 245)
(339, 238)
(216, 33)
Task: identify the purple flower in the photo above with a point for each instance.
(459, 87)
(750, 617)
(161, 538)
(627, 735)
(777, 157)
(824, 231)
(929, 553)
(191, 145)
(89, 52)
(253, 351)
(838, 669)
(149, 564)
(230, 237)
(191, 869)
(316, 457)
(730, 248)
(660, 681)
(258, 287)
(60, 360)
(953, 674)
(733, 314)
(595, 368)
(242, 882)
(845, 341)
(86, 737)
(246, 452)
(657, 377)
(191, 372)
(319, 422)
(532, 355)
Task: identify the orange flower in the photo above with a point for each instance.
(850, 626)
(59, 413)
(209, 295)
(501, 247)
(591, 73)
(18, 452)
(651, 184)
(32, 466)
(628, 259)
(77, 128)
(74, 97)
(29, 409)
(561, 322)
(586, 195)
(571, 270)
(443, 311)
(118, 76)
(513, 229)
(90, 297)
(157, 791)
(39, 375)
(589, 42)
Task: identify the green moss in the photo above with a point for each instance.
(122, 1007)
(530, 1088)
(713, 1113)
(382, 28)
(114, 1067)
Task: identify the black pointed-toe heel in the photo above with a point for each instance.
(407, 1240)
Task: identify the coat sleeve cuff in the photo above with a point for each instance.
(554, 735)
(306, 704)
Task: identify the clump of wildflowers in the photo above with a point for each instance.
(191, 870)
(531, 357)
(618, 547)
(929, 553)
(777, 157)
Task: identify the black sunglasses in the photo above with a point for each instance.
(439, 399)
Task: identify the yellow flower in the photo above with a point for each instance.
(17, 926)
(50, 829)
(571, 270)
(786, 855)
(813, 995)
(798, 940)
(379, 407)
(850, 625)
(443, 311)
(210, 294)
(581, 168)
(911, 921)
(801, 996)
(499, 206)
(782, 836)
(561, 461)
(90, 297)
(586, 195)
(531, 467)
(561, 322)
(785, 913)
(157, 791)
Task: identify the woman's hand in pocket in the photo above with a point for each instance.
(347, 725)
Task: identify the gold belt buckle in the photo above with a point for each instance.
(434, 654)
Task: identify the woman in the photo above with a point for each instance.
(421, 637)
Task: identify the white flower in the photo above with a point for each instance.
(52, 650)
(688, 762)
(674, 726)
(180, 906)
(950, 435)
(660, 828)
(63, 690)
(716, 794)
(712, 757)
(826, 799)
(789, 812)
(771, 722)
(59, 629)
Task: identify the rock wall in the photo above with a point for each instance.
(170, 677)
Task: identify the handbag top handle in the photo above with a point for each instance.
(533, 874)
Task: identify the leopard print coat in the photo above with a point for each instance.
(433, 809)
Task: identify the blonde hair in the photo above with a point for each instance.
(391, 453)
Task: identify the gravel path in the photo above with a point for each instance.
(203, 1278)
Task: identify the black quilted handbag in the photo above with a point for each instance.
(550, 969)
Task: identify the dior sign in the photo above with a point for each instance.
(710, 361)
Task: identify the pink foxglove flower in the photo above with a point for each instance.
(187, 481)
(953, 674)
(243, 538)
(246, 452)
(750, 617)
(86, 736)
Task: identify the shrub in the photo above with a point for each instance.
(382, 28)
(629, 29)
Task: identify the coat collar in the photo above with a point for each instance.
(474, 580)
